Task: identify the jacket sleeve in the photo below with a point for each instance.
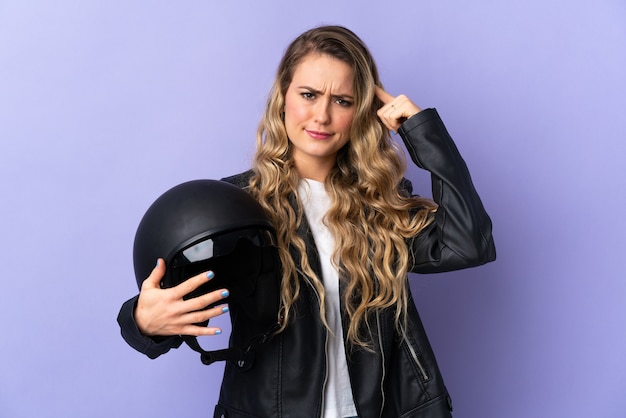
(151, 347)
(460, 236)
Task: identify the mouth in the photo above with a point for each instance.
(318, 134)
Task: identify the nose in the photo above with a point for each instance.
(322, 112)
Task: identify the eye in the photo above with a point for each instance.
(308, 95)
(343, 102)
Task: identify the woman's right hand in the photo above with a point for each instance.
(164, 312)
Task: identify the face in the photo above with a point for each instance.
(319, 109)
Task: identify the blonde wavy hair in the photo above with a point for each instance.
(370, 218)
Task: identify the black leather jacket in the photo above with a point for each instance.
(398, 378)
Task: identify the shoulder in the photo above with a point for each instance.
(240, 180)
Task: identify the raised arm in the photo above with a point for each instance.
(461, 235)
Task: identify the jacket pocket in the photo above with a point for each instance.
(416, 358)
(223, 412)
(439, 407)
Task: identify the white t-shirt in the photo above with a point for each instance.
(338, 401)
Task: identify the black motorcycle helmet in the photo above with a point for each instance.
(206, 225)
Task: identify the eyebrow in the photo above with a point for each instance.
(319, 92)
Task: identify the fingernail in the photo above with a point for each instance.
(210, 275)
(218, 331)
(224, 309)
(225, 294)
(157, 263)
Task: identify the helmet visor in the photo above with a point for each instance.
(223, 244)
(237, 258)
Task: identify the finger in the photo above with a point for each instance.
(383, 95)
(203, 315)
(387, 122)
(396, 111)
(194, 321)
(208, 299)
(199, 331)
(401, 108)
(192, 283)
(154, 279)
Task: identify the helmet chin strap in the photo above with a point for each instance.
(210, 357)
(243, 358)
(254, 289)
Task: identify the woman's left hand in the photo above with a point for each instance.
(395, 110)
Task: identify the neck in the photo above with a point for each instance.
(316, 172)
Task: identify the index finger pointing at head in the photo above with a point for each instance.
(383, 95)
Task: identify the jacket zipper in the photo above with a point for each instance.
(416, 359)
(323, 408)
(382, 363)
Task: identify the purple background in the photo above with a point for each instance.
(106, 104)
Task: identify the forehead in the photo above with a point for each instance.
(323, 71)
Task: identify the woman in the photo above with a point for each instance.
(349, 231)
